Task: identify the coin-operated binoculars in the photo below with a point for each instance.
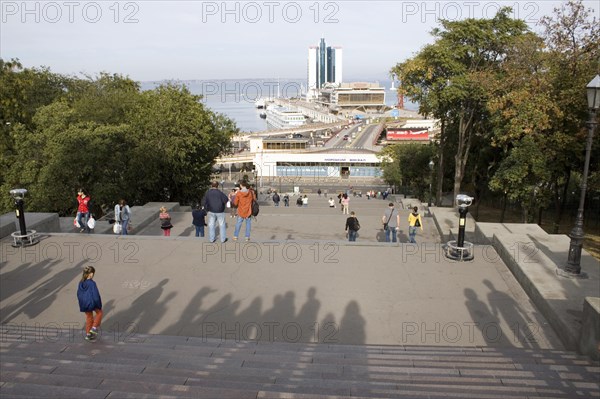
(460, 249)
(22, 238)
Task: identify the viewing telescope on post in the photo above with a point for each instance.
(23, 237)
(460, 249)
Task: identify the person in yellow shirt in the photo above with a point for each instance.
(414, 221)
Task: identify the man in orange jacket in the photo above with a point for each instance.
(243, 201)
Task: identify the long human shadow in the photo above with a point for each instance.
(485, 321)
(522, 331)
(189, 232)
(33, 271)
(281, 322)
(186, 323)
(43, 295)
(143, 314)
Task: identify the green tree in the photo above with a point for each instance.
(572, 38)
(108, 137)
(446, 77)
(539, 96)
(407, 165)
(522, 176)
(22, 92)
(178, 141)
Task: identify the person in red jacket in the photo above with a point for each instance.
(83, 211)
(243, 200)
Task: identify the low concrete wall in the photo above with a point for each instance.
(589, 342)
(446, 221)
(40, 222)
(525, 263)
(533, 256)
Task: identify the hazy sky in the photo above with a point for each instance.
(154, 40)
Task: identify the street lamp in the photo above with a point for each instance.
(431, 164)
(573, 268)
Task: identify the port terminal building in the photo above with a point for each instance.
(294, 158)
(355, 96)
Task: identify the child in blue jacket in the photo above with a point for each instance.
(90, 303)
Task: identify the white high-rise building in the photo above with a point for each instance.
(324, 66)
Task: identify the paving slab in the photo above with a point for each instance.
(272, 291)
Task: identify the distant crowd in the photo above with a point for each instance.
(241, 203)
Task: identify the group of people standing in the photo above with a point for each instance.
(122, 214)
(391, 223)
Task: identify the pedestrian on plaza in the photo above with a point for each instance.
(243, 201)
(299, 201)
(319, 192)
(165, 221)
(214, 202)
(352, 227)
(122, 216)
(286, 200)
(340, 198)
(276, 198)
(305, 201)
(83, 210)
(90, 302)
(331, 203)
(199, 220)
(414, 221)
(391, 221)
(368, 195)
(345, 204)
(232, 209)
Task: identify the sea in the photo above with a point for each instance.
(236, 98)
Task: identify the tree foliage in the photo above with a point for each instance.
(107, 136)
(407, 165)
(446, 77)
(503, 92)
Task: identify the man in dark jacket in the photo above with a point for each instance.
(214, 203)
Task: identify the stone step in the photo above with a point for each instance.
(27, 390)
(169, 366)
(289, 385)
(131, 353)
(217, 346)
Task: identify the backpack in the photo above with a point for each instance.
(255, 207)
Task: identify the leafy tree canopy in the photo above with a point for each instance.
(104, 134)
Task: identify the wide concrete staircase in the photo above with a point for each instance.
(59, 364)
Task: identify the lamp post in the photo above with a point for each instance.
(573, 267)
(431, 164)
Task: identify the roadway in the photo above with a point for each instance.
(363, 137)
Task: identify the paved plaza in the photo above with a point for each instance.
(297, 280)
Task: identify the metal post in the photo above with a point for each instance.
(462, 221)
(577, 234)
(431, 165)
(429, 202)
(21, 215)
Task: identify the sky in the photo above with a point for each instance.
(204, 40)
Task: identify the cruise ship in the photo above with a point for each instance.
(279, 117)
